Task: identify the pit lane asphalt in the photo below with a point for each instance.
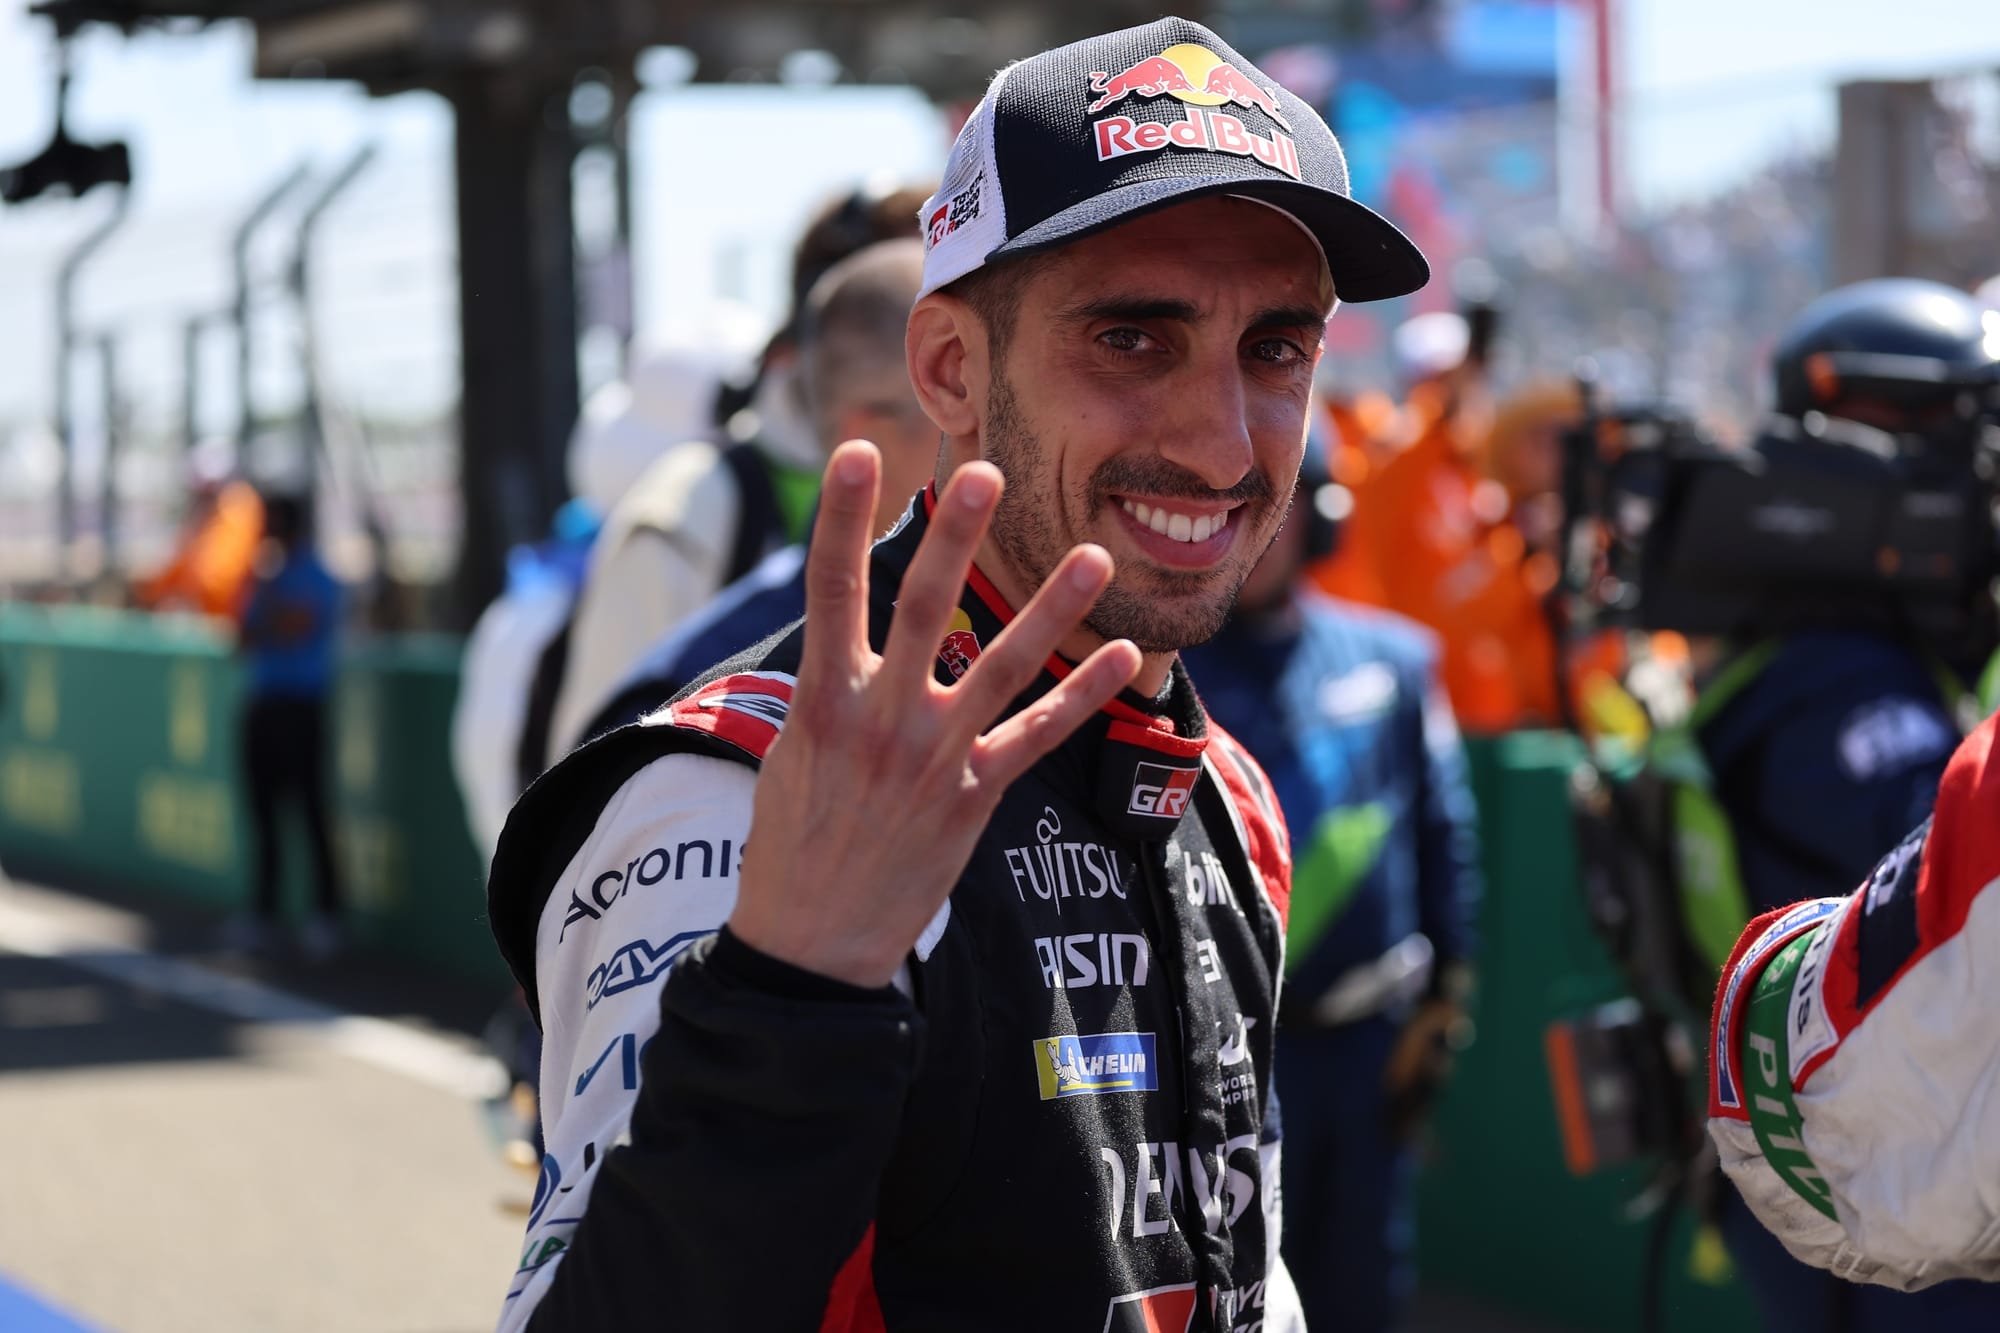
(191, 1145)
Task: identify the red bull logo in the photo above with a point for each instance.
(960, 647)
(1192, 74)
(1207, 83)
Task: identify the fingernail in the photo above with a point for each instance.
(852, 468)
(973, 493)
(1086, 574)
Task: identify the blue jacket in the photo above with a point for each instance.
(1340, 705)
(1825, 760)
(289, 628)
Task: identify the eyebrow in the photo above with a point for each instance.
(1140, 308)
(1288, 317)
(1132, 307)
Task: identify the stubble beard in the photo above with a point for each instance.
(1159, 610)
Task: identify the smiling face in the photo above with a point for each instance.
(1151, 395)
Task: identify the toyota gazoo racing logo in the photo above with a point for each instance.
(1204, 81)
(1161, 791)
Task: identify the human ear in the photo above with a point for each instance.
(945, 348)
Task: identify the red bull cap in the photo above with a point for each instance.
(1087, 136)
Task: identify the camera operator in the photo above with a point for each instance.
(1825, 733)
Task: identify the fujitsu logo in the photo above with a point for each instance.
(1055, 869)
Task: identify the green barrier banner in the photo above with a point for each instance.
(119, 767)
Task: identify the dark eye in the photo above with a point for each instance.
(1126, 339)
(1277, 351)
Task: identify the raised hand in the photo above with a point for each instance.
(874, 794)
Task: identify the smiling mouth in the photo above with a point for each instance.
(1176, 526)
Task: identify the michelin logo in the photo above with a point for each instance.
(1103, 1062)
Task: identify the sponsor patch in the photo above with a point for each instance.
(960, 646)
(1089, 1066)
(1162, 791)
(697, 857)
(961, 209)
(1053, 869)
(1077, 962)
(1187, 73)
(1722, 1059)
(1204, 82)
(639, 963)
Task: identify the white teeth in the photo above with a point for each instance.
(1179, 527)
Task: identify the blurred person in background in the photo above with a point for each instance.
(518, 652)
(851, 357)
(288, 642)
(702, 517)
(1340, 705)
(1453, 529)
(220, 533)
(1821, 747)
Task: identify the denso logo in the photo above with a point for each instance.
(1055, 870)
(636, 964)
(1223, 1192)
(1075, 962)
(1161, 791)
(650, 869)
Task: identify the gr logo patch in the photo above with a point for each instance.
(1161, 791)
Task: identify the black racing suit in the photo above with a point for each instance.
(1059, 1118)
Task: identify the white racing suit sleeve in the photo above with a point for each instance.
(1855, 1052)
(657, 873)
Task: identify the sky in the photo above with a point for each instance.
(1713, 88)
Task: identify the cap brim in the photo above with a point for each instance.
(1368, 257)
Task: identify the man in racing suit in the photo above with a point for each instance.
(919, 970)
(1854, 1051)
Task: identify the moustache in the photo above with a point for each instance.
(1170, 481)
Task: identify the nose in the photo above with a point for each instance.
(1210, 435)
